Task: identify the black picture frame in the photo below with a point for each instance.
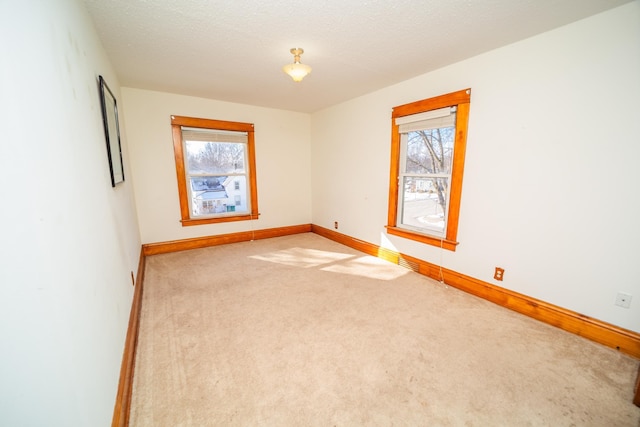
(112, 132)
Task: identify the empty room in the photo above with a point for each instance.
(329, 213)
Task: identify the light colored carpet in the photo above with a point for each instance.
(302, 331)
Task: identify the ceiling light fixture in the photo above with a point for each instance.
(297, 70)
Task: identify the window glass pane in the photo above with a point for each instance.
(218, 194)
(424, 203)
(215, 157)
(429, 151)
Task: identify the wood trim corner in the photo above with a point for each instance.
(440, 101)
(626, 341)
(125, 385)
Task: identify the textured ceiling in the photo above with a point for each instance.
(234, 50)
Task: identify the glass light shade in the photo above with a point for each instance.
(297, 71)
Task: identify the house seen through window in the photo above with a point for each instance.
(427, 161)
(215, 166)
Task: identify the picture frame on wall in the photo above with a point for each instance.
(112, 132)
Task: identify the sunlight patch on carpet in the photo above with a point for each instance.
(371, 267)
(302, 257)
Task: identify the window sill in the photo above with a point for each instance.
(422, 238)
(201, 221)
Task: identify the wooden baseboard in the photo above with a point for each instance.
(222, 239)
(604, 333)
(125, 385)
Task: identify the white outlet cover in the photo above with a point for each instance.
(623, 300)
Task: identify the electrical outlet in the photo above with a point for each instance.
(623, 300)
(499, 274)
(335, 225)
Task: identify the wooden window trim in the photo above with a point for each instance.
(176, 129)
(461, 99)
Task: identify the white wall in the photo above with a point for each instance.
(563, 226)
(69, 241)
(282, 143)
(551, 175)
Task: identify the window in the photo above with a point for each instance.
(207, 206)
(428, 144)
(215, 167)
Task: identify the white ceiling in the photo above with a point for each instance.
(234, 50)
